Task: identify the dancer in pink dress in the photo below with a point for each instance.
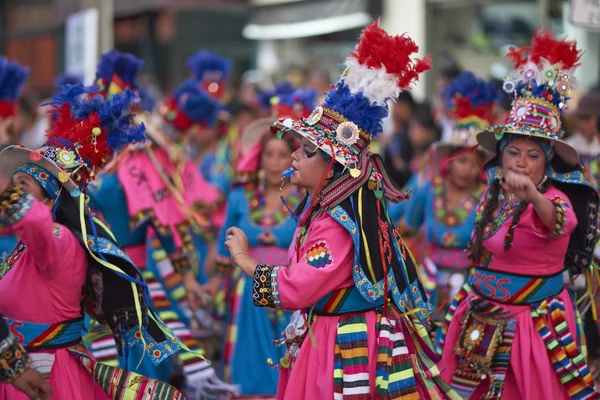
(16, 368)
(513, 331)
(362, 331)
(66, 262)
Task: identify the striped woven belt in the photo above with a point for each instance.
(46, 336)
(515, 289)
(345, 301)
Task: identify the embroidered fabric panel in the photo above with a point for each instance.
(319, 256)
(561, 219)
(262, 294)
(223, 266)
(15, 202)
(14, 360)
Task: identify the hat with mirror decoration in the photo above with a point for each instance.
(211, 70)
(352, 113)
(85, 132)
(540, 84)
(190, 105)
(12, 79)
(283, 101)
(470, 101)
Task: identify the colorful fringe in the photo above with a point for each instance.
(460, 296)
(406, 364)
(120, 384)
(569, 364)
(104, 348)
(235, 296)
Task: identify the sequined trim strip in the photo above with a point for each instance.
(275, 287)
(15, 202)
(13, 359)
(181, 263)
(261, 287)
(561, 218)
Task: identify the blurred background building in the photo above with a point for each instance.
(297, 39)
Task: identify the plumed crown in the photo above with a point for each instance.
(468, 96)
(541, 83)
(377, 70)
(190, 104)
(12, 78)
(287, 101)
(117, 71)
(211, 71)
(545, 69)
(67, 79)
(89, 129)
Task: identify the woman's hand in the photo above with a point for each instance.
(237, 244)
(236, 241)
(195, 295)
(521, 186)
(33, 384)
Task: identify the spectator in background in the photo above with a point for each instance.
(585, 139)
(419, 134)
(319, 80)
(31, 122)
(449, 69)
(242, 115)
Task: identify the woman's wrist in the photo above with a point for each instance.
(245, 261)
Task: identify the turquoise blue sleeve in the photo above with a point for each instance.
(232, 217)
(414, 213)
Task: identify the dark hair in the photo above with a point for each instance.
(236, 107)
(290, 140)
(67, 214)
(405, 97)
(423, 115)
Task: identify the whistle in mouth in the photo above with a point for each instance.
(288, 173)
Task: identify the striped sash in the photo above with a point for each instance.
(345, 301)
(34, 336)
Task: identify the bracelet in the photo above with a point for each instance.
(237, 254)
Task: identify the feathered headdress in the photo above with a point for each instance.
(470, 101)
(283, 101)
(211, 70)
(12, 78)
(117, 71)
(190, 105)
(67, 79)
(147, 100)
(287, 101)
(540, 86)
(85, 132)
(351, 116)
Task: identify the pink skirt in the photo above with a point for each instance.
(68, 378)
(530, 374)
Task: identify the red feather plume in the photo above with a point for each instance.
(79, 131)
(377, 49)
(545, 45)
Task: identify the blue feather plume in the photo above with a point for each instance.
(126, 66)
(356, 108)
(12, 78)
(67, 79)
(196, 103)
(148, 101)
(466, 84)
(115, 113)
(205, 62)
(283, 91)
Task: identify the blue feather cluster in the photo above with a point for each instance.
(67, 79)
(126, 66)
(12, 78)
(206, 62)
(148, 101)
(356, 108)
(466, 84)
(115, 113)
(196, 103)
(288, 95)
(533, 89)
